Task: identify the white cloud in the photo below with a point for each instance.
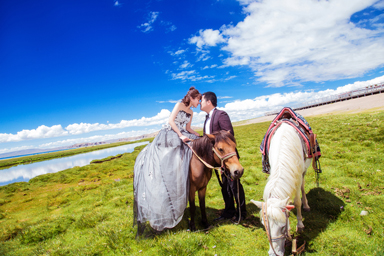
(204, 58)
(191, 75)
(75, 129)
(96, 138)
(168, 101)
(38, 133)
(252, 108)
(69, 142)
(147, 26)
(207, 37)
(172, 28)
(186, 64)
(198, 119)
(160, 118)
(178, 52)
(229, 78)
(290, 42)
(169, 26)
(184, 75)
(379, 5)
(212, 66)
(202, 55)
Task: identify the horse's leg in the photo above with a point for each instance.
(192, 206)
(297, 202)
(202, 207)
(304, 200)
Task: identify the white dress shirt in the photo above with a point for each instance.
(208, 123)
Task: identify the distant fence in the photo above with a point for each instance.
(369, 90)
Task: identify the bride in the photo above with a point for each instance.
(160, 182)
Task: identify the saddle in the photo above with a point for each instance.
(288, 116)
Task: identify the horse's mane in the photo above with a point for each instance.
(223, 136)
(287, 163)
(203, 145)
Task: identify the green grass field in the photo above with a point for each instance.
(88, 210)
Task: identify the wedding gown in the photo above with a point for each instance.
(161, 177)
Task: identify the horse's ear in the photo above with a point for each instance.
(257, 203)
(211, 137)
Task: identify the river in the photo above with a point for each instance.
(29, 171)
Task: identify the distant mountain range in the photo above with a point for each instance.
(34, 151)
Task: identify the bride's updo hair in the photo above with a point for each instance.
(193, 93)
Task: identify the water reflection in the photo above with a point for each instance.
(27, 172)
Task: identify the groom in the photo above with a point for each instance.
(219, 120)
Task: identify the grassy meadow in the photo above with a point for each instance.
(88, 210)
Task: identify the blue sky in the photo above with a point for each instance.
(77, 71)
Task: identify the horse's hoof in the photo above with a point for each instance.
(299, 229)
(205, 225)
(192, 226)
(307, 209)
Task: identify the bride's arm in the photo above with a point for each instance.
(188, 127)
(171, 122)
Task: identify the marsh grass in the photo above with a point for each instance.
(88, 210)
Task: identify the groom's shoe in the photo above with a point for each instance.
(236, 219)
(220, 218)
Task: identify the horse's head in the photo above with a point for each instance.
(275, 212)
(224, 144)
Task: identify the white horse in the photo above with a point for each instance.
(288, 162)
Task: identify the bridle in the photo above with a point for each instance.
(222, 159)
(286, 234)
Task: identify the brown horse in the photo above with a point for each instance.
(199, 174)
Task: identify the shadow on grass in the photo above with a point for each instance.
(251, 221)
(325, 209)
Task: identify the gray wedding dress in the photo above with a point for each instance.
(161, 179)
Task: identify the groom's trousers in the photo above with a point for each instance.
(229, 191)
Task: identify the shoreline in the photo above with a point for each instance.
(7, 163)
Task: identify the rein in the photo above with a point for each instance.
(286, 235)
(315, 162)
(221, 169)
(222, 159)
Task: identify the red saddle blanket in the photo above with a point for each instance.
(287, 115)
